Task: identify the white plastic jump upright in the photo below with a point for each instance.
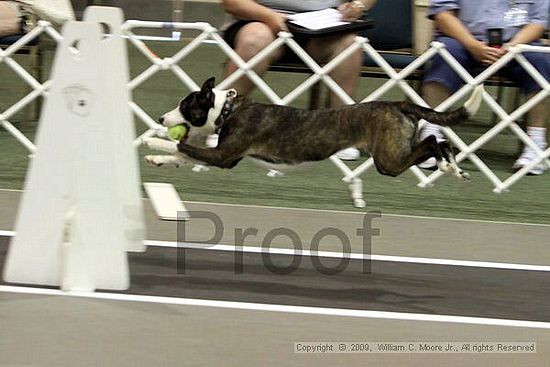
(81, 210)
(121, 117)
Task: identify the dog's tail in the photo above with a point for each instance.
(447, 118)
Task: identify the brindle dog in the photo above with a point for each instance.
(281, 136)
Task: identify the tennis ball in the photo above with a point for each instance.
(177, 132)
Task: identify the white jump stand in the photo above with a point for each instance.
(82, 208)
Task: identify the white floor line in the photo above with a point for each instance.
(355, 212)
(353, 256)
(340, 312)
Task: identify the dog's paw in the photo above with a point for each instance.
(453, 169)
(458, 172)
(465, 176)
(159, 160)
(445, 166)
(198, 168)
(274, 173)
(146, 141)
(153, 160)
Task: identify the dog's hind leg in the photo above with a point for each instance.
(393, 164)
(452, 166)
(427, 148)
(442, 153)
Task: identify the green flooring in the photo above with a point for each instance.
(319, 186)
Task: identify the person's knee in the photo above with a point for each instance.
(435, 89)
(540, 61)
(345, 41)
(519, 74)
(253, 38)
(325, 49)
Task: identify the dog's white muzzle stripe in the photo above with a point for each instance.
(173, 118)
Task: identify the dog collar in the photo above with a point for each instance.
(223, 105)
(226, 109)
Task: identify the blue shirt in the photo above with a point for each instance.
(480, 15)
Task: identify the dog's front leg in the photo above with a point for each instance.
(219, 157)
(161, 144)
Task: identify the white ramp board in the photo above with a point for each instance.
(166, 201)
(70, 231)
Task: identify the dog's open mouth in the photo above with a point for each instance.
(186, 135)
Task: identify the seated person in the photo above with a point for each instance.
(462, 26)
(10, 19)
(254, 24)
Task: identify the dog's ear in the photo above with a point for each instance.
(210, 83)
(206, 96)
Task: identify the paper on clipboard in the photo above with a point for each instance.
(319, 19)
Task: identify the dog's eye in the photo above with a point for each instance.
(196, 118)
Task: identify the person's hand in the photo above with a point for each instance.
(350, 12)
(485, 54)
(276, 22)
(504, 49)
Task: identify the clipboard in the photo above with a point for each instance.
(352, 27)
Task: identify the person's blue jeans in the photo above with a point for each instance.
(439, 71)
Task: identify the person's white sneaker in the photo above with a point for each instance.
(349, 154)
(430, 164)
(538, 169)
(432, 129)
(527, 157)
(538, 135)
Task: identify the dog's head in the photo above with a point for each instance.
(198, 111)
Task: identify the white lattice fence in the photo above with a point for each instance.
(319, 74)
(395, 79)
(37, 89)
